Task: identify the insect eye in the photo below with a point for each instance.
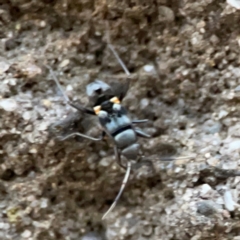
(116, 107)
(98, 91)
(102, 114)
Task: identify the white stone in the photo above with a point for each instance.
(222, 114)
(123, 230)
(64, 63)
(27, 115)
(4, 66)
(234, 3)
(205, 188)
(44, 203)
(69, 88)
(8, 104)
(234, 145)
(148, 68)
(2, 225)
(43, 126)
(26, 234)
(228, 200)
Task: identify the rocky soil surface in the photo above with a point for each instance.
(184, 59)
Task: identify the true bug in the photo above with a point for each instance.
(114, 120)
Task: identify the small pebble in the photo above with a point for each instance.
(26, 234)
(123, 230)
(44, 203)
(234, 145)
(222, 114)
(42, 24)
(144, 103)
(3, 204)
(47, 103)
(32, 70)
(228, 200)
(196, 237)
(69, 88)
(206, 208)
(2, 224)
(205, 189)
(212, 127)
(43, 126)
(33, 151)
(234, 3)
(4, 66)
(8, 104)
(106, 161)
(166, 14)
(92, 236)
(64, 63)
(27, 115)
(237, 89)
(148, 68)
(213, 161)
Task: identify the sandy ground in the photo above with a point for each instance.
(184, 62)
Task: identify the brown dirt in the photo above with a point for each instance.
(184, 61)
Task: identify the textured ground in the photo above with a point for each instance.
(184, 60)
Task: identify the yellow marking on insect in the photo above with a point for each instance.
(97, 109)
(114, 100)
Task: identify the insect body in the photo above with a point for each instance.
(115, 122)
(118, 126)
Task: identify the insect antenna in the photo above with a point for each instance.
(124, 182)
(114, 51)
(68, 101)
(58, 84)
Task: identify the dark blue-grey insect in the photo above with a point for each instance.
(115, 122)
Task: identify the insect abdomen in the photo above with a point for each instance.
(131, 152)
(125, 138)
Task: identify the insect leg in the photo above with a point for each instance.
(118, 157)
(124, 182)
(142, 134)
(74, 105)
(139, 121)
(84, 136)
(81, 108)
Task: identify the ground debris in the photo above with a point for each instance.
(184, 65)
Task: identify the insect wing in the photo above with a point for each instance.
(99, 91)
(119, 89)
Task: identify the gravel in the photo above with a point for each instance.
(184, 64)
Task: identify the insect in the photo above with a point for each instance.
(114, 120)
